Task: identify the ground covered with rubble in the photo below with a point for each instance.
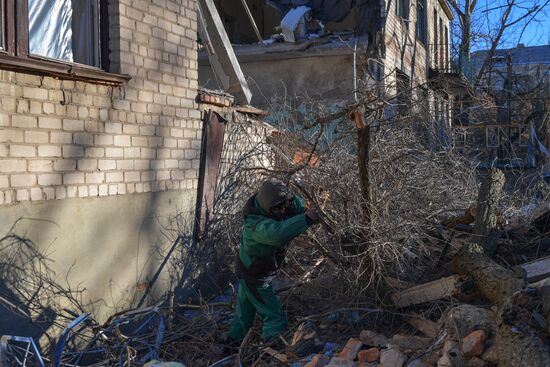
(422, 260)
(451, 268)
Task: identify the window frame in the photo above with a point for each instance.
(422, 21)
(402, 9)
(15, 55)
(435, 35)
(2, 26)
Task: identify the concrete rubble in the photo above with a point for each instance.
(462, 333)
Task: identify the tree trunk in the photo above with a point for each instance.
(518, 344)
(363, 147)
(464, 55)
(495, 282)
(487, 203)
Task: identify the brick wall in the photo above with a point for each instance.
(402, 49)
(63, 139)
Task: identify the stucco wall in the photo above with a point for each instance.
(98, 163)
(108, 247)
(279, 77)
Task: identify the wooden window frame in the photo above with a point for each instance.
(422, 21)
(16, 56)
(436, 41)
(402, 9)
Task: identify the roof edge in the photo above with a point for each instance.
(447, 9)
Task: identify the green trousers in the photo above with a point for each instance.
(268, 307)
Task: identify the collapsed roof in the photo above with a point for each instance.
(332, 10)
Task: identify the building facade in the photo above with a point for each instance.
(100, 137)
(409, 41)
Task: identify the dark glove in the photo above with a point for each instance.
(313, 216)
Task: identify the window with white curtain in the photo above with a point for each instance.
(44, 36)
(65, 30)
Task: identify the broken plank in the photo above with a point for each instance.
(398, 283)
(427, 327)
(432, 291)
(223, 60)
(537, 269)
(278, 356)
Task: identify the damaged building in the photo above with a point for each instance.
(297, 50)
(102, 131)
(103, 123)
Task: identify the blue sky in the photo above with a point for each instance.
(538, 34)
(535, 34)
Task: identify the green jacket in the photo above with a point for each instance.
(264, 239)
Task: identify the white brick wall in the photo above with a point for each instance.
(61, 139)
(401, 45)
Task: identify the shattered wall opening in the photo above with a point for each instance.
(332, 16)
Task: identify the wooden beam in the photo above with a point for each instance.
(275, 354)
(223, 57)
(427, 327)
(22, 28)
(211, 153)
(432, 291)
(537, 269)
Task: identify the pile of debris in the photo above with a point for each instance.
(493, 311)
(405, 290)
(489, 313)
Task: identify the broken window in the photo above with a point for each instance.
(402, 8)
(66, 30)
(421, 29)
(460, 138)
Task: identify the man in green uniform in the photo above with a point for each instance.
(272, 218)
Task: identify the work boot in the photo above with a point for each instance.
(306, 347)
(276, 343)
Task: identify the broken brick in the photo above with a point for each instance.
(473, 344)
(392, 357)
(371, 338)
(350, 350)
(318, 360)
(369, 355)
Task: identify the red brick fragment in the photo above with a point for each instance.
(369, 355)
(318, 360)
(473, 344)
(350, 350)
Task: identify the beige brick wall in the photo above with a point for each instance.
(62, 139)
(403, 50)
